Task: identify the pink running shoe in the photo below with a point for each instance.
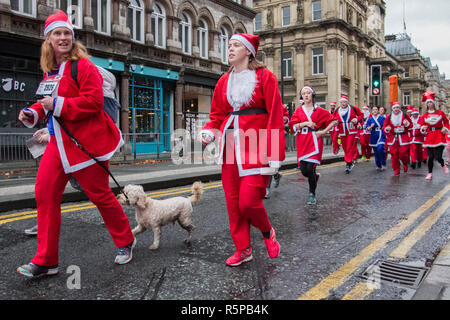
(429, 176)
(239, 257)
(273, 247)
(445, 169)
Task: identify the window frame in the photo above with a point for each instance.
(133, 20)
(283, 11)
(406, 98)
(186, 25)
(20, 11)
(203, 32)
(316, 61)
(286, 67)
(157, 16)
(99, 16)
(223, 44)
(314, 11)
(79, 12)
(258, 18)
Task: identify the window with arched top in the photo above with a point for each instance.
(136, 20)
(159, 25)
(185, 33)
(223, 45)
(203, 38)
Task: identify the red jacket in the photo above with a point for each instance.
(435, 122)
(398, 132)
(347, 127)
(81, 110)
(258, 138)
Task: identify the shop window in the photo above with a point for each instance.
(159, 25)
(101, 14)
(190, 106)
(136, 20)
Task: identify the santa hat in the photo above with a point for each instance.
(251, 42)
(428, 96)
(308, 88)
(343, 98)
(366, 107)
(409, 109)
(332, 103)
(415, 111)
(57, 20)
(396, 104)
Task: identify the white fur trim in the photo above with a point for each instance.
(58, 24)
(209, 133)
(241, 88)
(31, 124)
(58, 106)
(245, 42)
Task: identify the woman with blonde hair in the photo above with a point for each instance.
(79, 106)
(247, 103)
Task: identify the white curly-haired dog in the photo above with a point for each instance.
(152, 213)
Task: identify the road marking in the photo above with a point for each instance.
(362, 290)
(337, 278)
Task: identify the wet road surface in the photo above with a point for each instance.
(359, 218)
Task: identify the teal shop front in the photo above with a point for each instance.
(151, 97)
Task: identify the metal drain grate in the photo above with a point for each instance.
(395, 274)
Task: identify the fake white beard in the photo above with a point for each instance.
(366, 114)
(240, 88)
(396, 119)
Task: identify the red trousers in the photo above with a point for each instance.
(364, 141)
(416, 152)
(349, 145)
(399, 153)
(50, 184)
(244, 198)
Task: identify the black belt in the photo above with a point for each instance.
(435, 129)
(249, 111)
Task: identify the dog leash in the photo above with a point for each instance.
(61, 123)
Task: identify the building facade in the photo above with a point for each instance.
(326, 45)
(166, 55)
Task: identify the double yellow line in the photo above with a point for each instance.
(361, 290)
(89, 205)
(156, 194)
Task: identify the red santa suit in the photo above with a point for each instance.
(397, 139)
(347, 129)
(309, 146)
(435, 122)
(81, 109)
(416, 138)
(248, 105)
(364, 135)
(333, 132)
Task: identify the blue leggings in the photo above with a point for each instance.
(380, 155)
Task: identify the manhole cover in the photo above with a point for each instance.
(395, 274)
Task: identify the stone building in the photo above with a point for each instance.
(326, 44)
(166, 55)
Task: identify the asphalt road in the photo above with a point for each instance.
(359, 218)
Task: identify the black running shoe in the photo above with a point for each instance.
(32, 270)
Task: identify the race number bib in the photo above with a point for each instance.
(48, 86)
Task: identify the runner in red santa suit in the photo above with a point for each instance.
(364, 136)
(247, 103)
(396, 128)
(347, 118)
(80, 108)
(333, 132)
(417, 139)
(310, 122)
(434, 124)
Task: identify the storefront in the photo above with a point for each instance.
(151, 93)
